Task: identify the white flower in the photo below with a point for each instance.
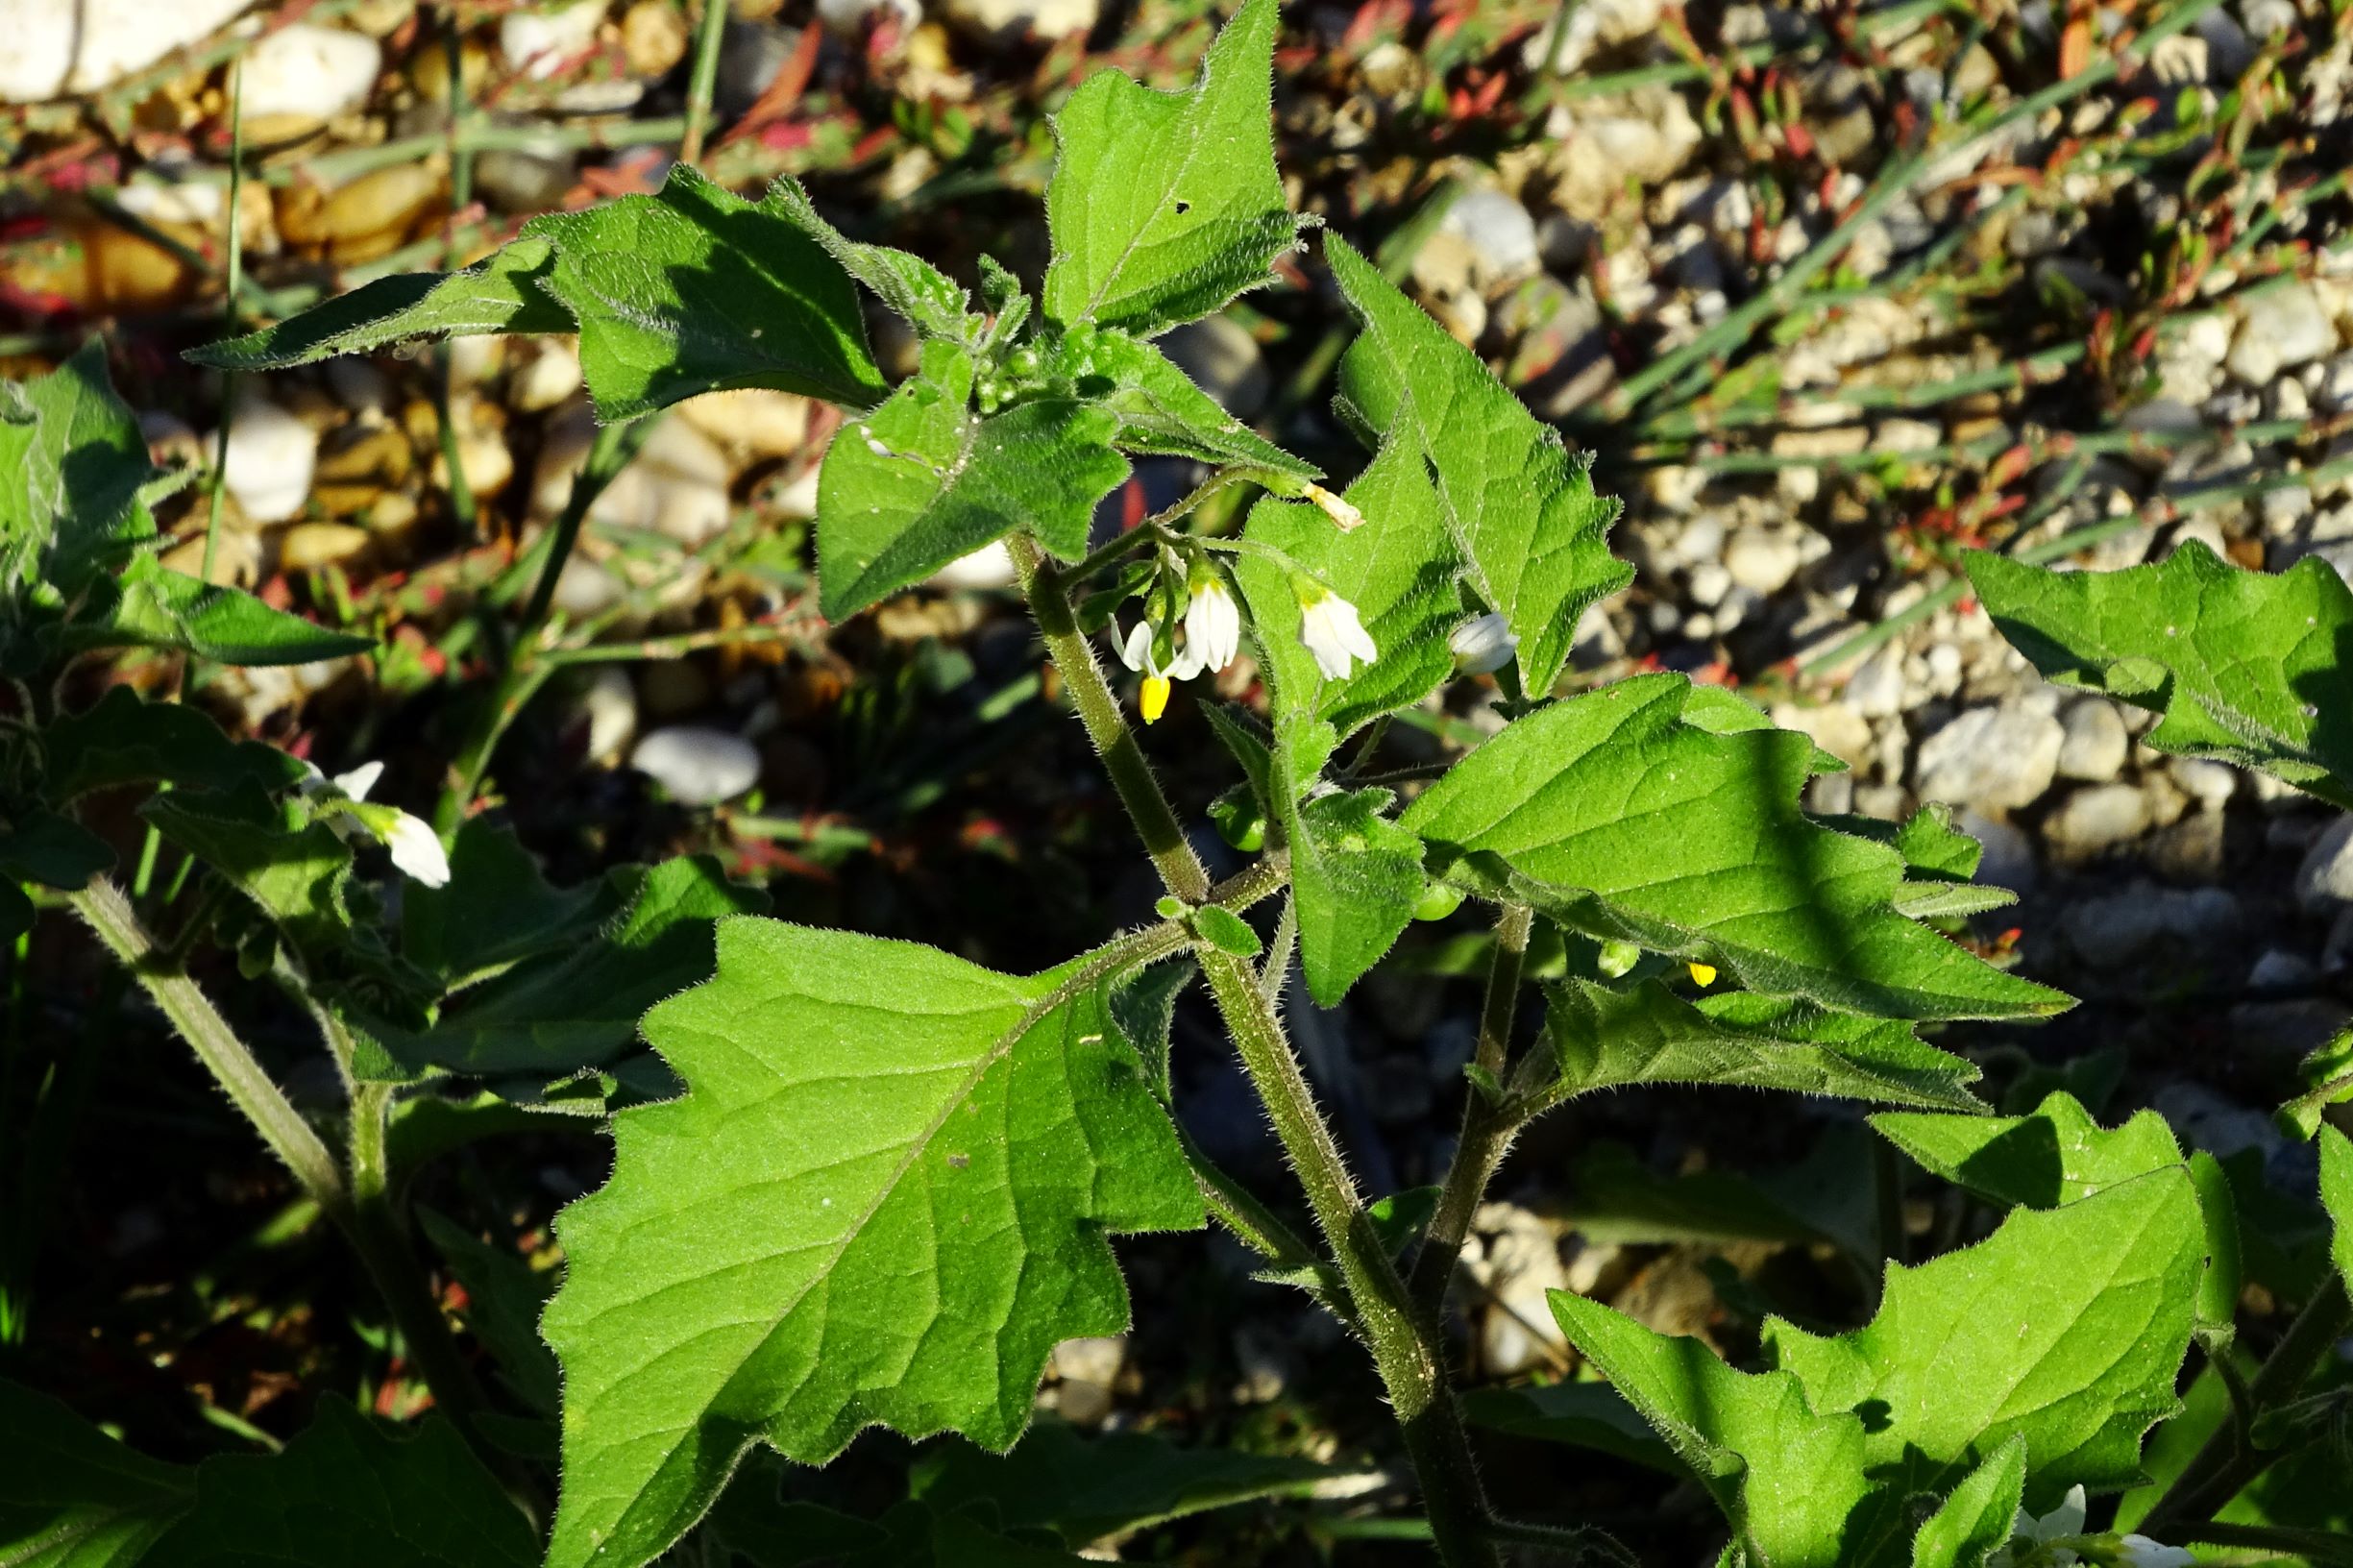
(2139, 1551)
(416, 849)
(1331, 632)
(1137, 653)
(2032, 1534)
(1482, 646)
(1213, 620)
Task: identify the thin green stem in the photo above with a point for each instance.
(1403, 1344)
(373, 1225)
(2223, 1468)
(1402, 1340)
(1123, 758)
(356, 1203)
(216, 1044)
(705, 78)
(1487, 1126)
(2308, 1545)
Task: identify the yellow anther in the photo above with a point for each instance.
(1153, 699)
(1703, 974)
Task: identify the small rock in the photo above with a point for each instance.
(756, 422)
(2091, 821)
(271, 456)
(2288, 1030)
(1220, 358)
(307, 546)
(696, 765)
(301, 75)
(1707, 585)
(1876, 689)
(1499, 234)
(2283, 328)
(676, 484)
(1520, 1264)
(2008, 858)
(71, 46)
(652, 37)
(988, 568)
(2205, 1120)
(2210, 783)
(2277, 970)
(1763, 558)
(2096, 741)
(1009, 20)
(609, 703)
(540, 44)
(2325, 878)
(1833, 727)
(2190, 850)
(2112, 931)
(1096, 1359)
(1996, 759)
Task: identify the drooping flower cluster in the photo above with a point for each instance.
(2057, 1540)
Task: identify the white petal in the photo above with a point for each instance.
(1213, 625)
(359, 780)
(416, 849)
(1135, 649)
(2139, 1551)
(1483, 645)
(2067, 1519)
(1351, 630)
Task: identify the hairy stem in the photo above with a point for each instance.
(1123, 758)
(374, 1226)
(2223, 1468)
(216, 1044)
(357, 1204)
(1403, 1343)
(1487, 1126)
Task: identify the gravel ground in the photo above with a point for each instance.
(2106, 307)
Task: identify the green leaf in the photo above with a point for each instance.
(2055, 1155)
(53, 850)
(884, 1198)
(1786, 1476)
(347, 1492)
(576, 1003)
(504, 1296)
(152, 606)
(697, 290)
(1228, 932)
(1399, 570)
(1581, 1414)
(1975, 1521)
(497, 909)
(1612, 815)
(505, 292)
(919, 292)
(691, 290)
(1355, 875)
(71, 473)
(1160, 410)
(926, 479)
(2063, 1332)
(1164, 205)
(2067, 1326)
(1089, 1489)
(124, 740)
(295, 867)
(2337, 1197)
(2253, 669)
(1522, 513)
(73, 1497)
(1606, 1038)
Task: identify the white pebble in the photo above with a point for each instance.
(313, 73)
(271, 454)
(696, 765)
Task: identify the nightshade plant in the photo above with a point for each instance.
(863, 1182)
